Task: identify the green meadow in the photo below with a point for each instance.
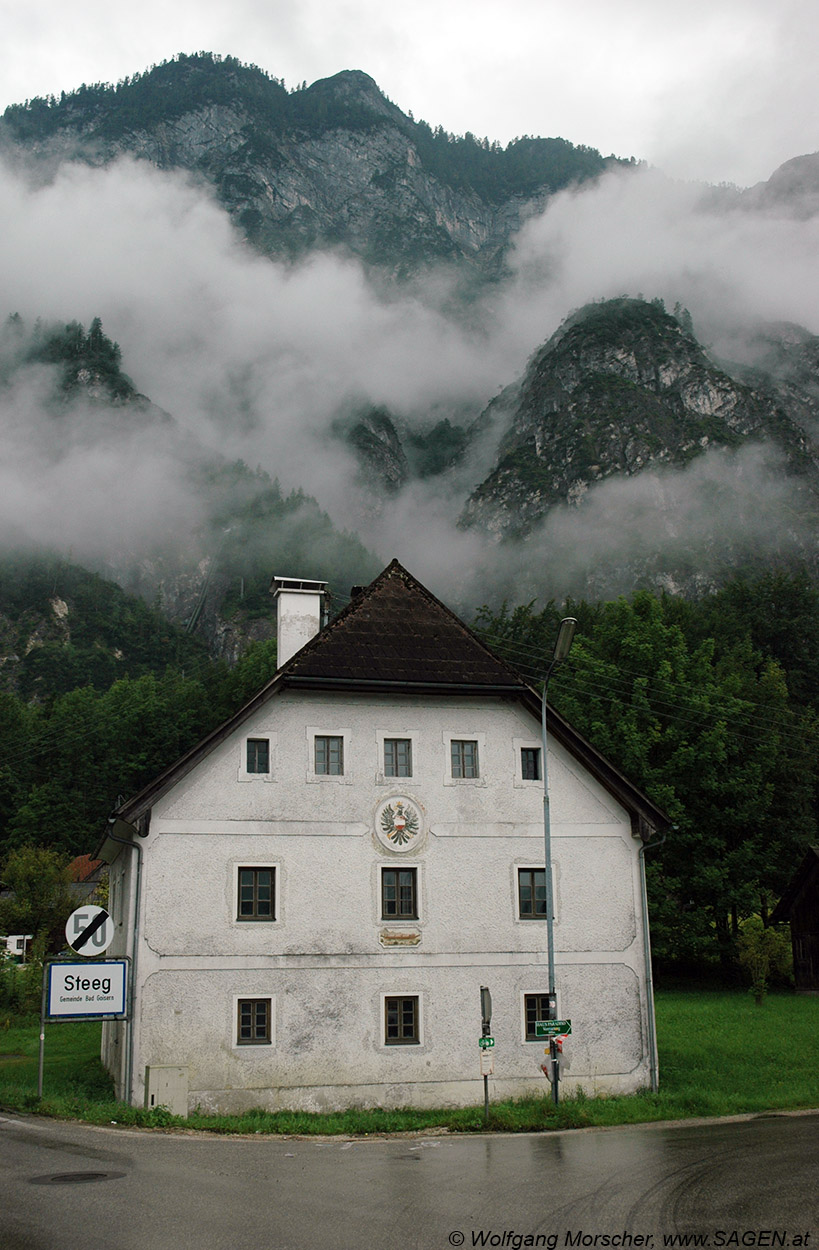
(720, 1054)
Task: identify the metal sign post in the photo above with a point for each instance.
(486, 1043)
(562, 647)
(556, 1031)
(81, 991)
(41, 1057)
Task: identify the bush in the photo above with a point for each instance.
(764, 953)
(11, 987)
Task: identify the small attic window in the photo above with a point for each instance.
(530, 763)
(464, 757)
(258, 755)
(329, 755)
(397, 757)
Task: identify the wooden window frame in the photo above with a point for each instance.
(392, 744)
(254, 917)
(535, 753)
(250, 1006)
(458, 759)
(399, 915)
(327, 739)
(251, 747)
(534, 914)
(535, 1007)
(406, 1029)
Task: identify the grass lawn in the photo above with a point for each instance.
(720, 1054)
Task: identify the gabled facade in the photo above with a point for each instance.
(313, 896)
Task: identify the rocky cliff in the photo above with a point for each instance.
(622, 388)
(335, 164)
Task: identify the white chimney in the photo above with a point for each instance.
(299, 614)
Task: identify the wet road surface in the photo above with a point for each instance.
(750, 1182)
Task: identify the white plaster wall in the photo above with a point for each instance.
(322, 961)
(329, 1050)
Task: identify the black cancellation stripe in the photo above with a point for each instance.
(88, 933)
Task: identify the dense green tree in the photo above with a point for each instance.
(709, 733)
(90, 746)
(19, 730)
(39, 899)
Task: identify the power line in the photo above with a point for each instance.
(729, 709)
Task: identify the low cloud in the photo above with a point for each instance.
(639, 232)
(255, 360)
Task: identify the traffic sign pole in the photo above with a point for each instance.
(553, 1029)
(486, 1043)
(41, 1058)
(553, 1055)
(82, 991)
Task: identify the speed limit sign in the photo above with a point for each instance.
(89, 930)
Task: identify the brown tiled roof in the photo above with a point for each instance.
(83, 867)
(396, 632)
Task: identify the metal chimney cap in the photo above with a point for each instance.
(297, 585)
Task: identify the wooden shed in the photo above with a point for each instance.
(800, 905)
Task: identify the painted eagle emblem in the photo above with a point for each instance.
(399, 823)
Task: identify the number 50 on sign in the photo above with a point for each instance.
(89, 930)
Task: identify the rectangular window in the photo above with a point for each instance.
(401, 1021)
(258, 755)
(329, 756)
(537, 1008)
(464, 755)
(399, 893)
(532, 894)
(256, 894)
(530, 763)
(397, 757)
(253, 1022)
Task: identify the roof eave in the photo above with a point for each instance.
(374, 685)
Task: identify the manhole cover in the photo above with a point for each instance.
(75, 1178)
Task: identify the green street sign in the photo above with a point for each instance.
(486, 1043)
(551, 1028)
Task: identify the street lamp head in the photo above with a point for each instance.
(565, 635)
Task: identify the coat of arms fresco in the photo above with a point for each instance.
(398, 824)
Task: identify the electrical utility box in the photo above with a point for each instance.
(166, 1085)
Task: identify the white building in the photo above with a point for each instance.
(313, 896)
(16, 945)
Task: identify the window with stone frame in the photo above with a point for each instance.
(402, 1020)
(328, 755)
(397, 757)
(258, 755)
(464, 758)
(530, 763)
(256, 894)
(399, 893)
(531, 893)
(253, 1022)
(536, 1007)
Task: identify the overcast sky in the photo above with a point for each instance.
(723, 90)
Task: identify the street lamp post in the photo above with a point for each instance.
(563, 645)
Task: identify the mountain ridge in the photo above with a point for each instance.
(335, 164)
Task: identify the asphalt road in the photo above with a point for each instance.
(748, 1182)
